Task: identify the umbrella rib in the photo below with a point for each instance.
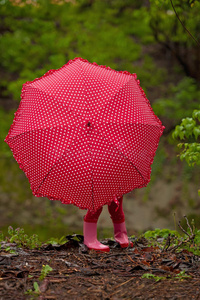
(123, 156)
(43, 128)
(92, 176)
(49, 172)
(111, 98)
(57, 162)
(32, 130)
(85, 93)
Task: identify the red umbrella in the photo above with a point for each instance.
(84, 134)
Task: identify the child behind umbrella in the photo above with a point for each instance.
(118, 219)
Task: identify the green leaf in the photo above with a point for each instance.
(196, 114)
(196, 132)
(36, 287)
(152, 276)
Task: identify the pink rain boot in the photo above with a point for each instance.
(90, 232)
(90, 237)
(117, 216)
(120, 235)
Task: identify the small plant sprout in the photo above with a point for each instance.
(152, 276)
(36, 292)
(45, 271)
(182, 276)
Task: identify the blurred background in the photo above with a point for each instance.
(143, 37)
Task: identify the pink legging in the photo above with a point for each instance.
(116, 213)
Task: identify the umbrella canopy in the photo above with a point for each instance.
(84, 134)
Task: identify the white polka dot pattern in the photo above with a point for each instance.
(84, 134)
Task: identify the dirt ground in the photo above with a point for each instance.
(81, 274)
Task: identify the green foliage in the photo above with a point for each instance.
(149, 73)
(6, 119)
(160, 233)
(40, 37)
(180, 276)
(182, 100)
(197, 242)
(194, 246)
(57, 241)
(19, 237)
(158, 238)
(189, 130)
(166, 24)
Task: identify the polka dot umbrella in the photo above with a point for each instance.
(84, 134)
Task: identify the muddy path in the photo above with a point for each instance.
(141, 272)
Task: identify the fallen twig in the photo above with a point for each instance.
(120, 286)
(190, 238)
(167, 244)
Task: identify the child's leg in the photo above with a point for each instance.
(116, 212)
(118, 218)
(92, 217)
(90, 231)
